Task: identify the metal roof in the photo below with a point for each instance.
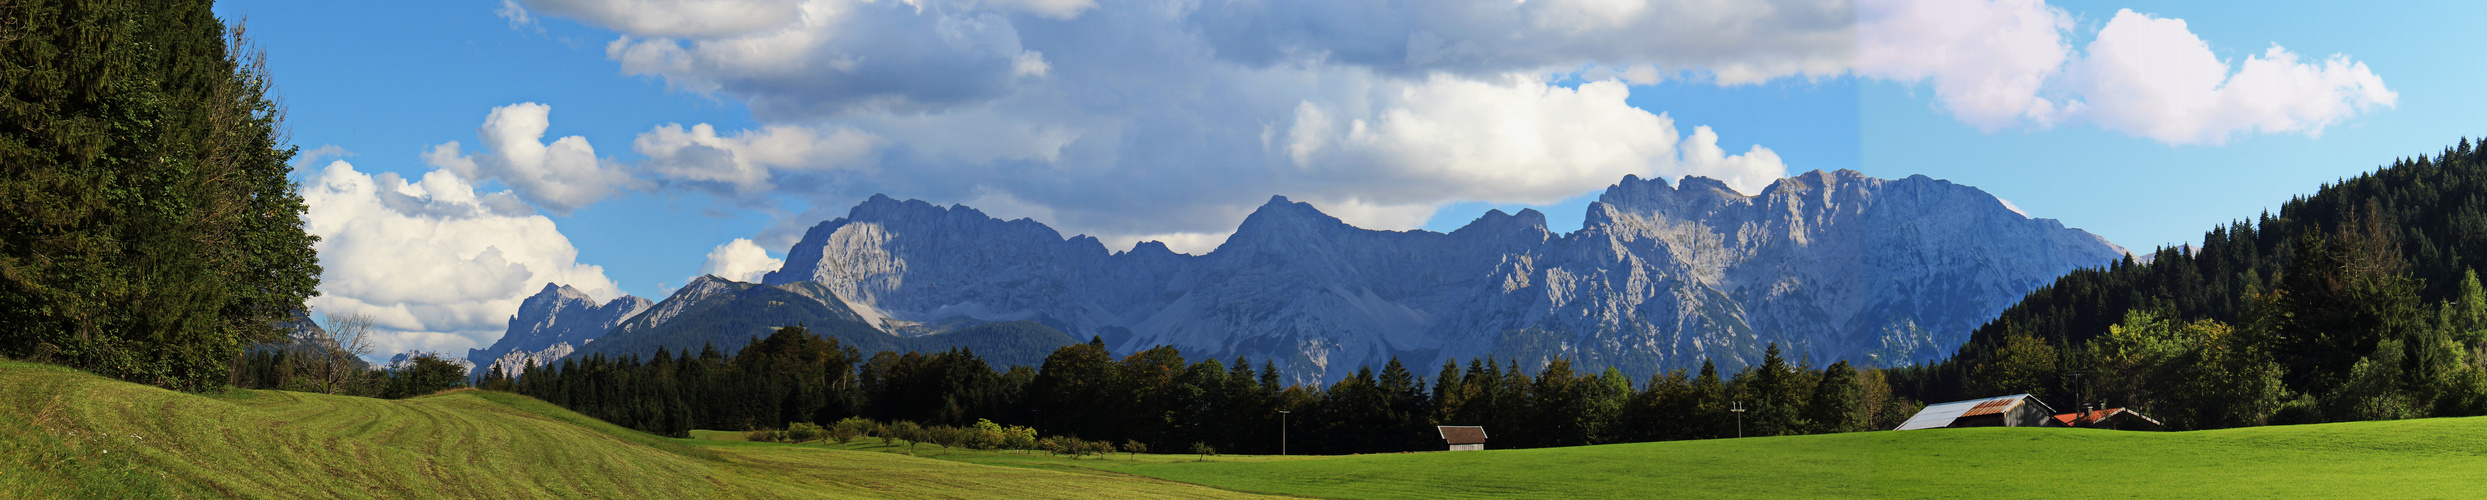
(1942, 415)
(2096, 416)
(1462, 434)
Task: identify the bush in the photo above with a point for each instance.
(846, 430)
(765, 436)
(802, 432)
(908, 430)
(1135, 447)
(1018, 437)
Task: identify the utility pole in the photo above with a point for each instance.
(1282, 432)
(1739, 409)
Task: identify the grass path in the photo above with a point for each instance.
(65, 433)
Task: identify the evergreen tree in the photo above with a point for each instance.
(152, 232)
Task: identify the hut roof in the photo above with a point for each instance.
(2094, 417)
(1942, 415)
(1462, 434)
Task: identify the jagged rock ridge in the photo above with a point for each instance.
(553, 323)
(1833, 265)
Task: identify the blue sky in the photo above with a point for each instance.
(1113, 119)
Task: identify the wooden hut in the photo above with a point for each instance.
(2018, 410)
(1463, 437)
(2122, 419)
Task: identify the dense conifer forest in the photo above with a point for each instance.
(2357, 302)
(1162, 401)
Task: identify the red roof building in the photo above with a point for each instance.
(2122, 419)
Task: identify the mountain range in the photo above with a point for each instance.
(1829, 265)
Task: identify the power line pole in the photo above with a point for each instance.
(1282, 432)
(1739, 409)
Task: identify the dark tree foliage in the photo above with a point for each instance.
(1159, 400)
(296, 370)
(147, 228)
(2352, 303)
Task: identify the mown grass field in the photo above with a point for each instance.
(64, 433)
(2431, 458)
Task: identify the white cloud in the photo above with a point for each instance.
(2152, 77)
(1515, 140)
(1998, 64)
(1987, 59)
(561, 176)
(739, 260)
(746, 162)
(516, 14)
(437, 265)
(677, 17)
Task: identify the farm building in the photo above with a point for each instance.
(1463, 437)
(2018, 410)
(2122, 419)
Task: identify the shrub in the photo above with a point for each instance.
(908, 430)
(802, 432)
(1135, 447)
(1018, 437)
(847, 429)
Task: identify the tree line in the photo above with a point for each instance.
(1157, 399)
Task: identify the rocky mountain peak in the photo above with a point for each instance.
(549, 323)
(1282, 223)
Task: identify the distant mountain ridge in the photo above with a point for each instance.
(550, 324)
(1834, 265)
(725, 314)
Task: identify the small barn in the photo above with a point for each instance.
(2122, 419)
(1463, 437)
(2018, 410)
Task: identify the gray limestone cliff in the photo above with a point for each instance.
(551, 324)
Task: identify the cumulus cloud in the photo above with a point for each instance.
(673, 17)
(1729, 42)
(745, 162)
(561, 176)
(437, 265)
(1516, 139)
(2152, 77)
(1998, 64)
(739, 260)
(1987, 59)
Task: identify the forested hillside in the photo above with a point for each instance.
(2356, 302)
(147, 228)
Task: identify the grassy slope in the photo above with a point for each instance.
(67, 433)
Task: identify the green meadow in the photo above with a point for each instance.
(65, 433)
(70, 434)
